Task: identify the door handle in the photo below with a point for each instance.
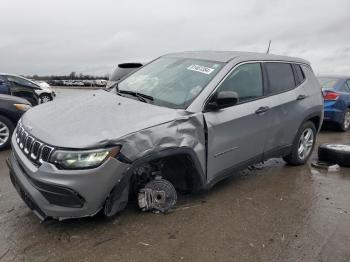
(262, 110)
(301, 97)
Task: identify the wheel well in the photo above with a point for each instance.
(316, 121)
(42, 94)
(179, 169)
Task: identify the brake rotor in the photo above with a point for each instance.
(158, 195)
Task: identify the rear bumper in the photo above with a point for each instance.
(62, 194)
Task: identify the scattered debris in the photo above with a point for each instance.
(334, 168)
(102, 242)
(259, 166)
(3, 255)
(187, 207)
(144, 244)
(326, 165)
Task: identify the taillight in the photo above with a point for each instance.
(330, 96)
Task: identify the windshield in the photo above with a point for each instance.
(328, 83)
(171, 81)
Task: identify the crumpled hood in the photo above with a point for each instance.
(92, 120)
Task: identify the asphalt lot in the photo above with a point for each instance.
(276, 213)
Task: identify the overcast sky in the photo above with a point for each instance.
(92, 36)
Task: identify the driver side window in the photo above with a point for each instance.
(246, 80)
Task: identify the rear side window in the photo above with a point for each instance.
(300, 76)
(348, 84)
(345, 87)
(280, 76)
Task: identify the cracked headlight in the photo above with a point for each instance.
(68, 159)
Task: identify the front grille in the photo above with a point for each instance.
(36, 151)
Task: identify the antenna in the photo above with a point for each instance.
(268, 49)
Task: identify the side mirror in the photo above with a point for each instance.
(222, 99)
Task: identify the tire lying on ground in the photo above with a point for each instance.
(335, 153)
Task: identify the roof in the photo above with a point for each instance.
(226, 56)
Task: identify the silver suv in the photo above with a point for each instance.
(185, 121)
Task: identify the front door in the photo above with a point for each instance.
(237, 134)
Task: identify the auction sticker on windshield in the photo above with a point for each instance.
(201, 69)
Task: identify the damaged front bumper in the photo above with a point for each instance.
(63, 194)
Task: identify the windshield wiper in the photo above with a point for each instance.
(140, 96)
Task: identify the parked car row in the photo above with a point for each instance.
(97, 82)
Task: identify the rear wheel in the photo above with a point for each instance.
(6, 130)
(345, 125)
(303, 145)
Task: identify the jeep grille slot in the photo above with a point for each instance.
(36, 151)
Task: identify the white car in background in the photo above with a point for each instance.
(45, 91)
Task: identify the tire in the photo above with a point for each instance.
(345, 125)
(335, 153)
(44, 98)
(6, 130)
(297, 156)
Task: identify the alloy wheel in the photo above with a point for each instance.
(45, 99)
(347, 120)
(306, 143)
(4, 133)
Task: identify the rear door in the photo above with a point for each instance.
(288, 104)
(237, 134)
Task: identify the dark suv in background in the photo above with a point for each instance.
(11, 110)
(122, 71)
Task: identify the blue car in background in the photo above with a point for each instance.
(336, 94)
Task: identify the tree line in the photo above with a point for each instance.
(71, 76)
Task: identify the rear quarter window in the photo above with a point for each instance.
(280, 77)
(300, 76)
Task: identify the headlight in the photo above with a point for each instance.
(22, 107)
(82, 159)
